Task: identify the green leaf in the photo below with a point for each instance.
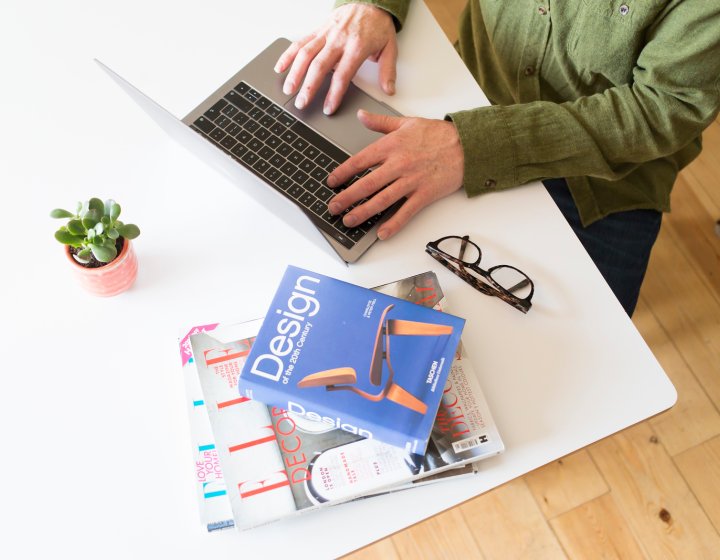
(102, 253)
(84, 255)
(91, 218)
(67, 238)
(106, 221)
(78, 208)
(113, 233)
(114, 208)
(76, 227)
(129, 231)
(107, 242)
(97, 205)
(90, 234)
(60, 213)
(99, 228)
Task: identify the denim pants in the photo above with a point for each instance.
(618, 244)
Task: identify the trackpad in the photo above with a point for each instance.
(343, 128)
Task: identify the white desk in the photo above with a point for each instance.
(95, 455)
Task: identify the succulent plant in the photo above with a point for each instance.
(94, 229)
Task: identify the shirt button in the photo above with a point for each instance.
(490, 183)
(542, 10)
(529, 70)
(624, 10)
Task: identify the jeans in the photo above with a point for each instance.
(618, 244)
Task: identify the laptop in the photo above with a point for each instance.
(249, 127)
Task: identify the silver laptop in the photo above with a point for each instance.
(249, 125)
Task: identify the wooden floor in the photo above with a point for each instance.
(653, 490)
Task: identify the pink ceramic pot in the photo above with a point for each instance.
(111, 279)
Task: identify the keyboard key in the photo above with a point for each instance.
(254, 144)
(274, 111)
(255, 113)
(239, 150)
(262, 133)
(284, 182)
(318, 207)
(217, 134)
(222, 121)
(263, 102)
(307, 166)
(300, 144)
(228, 142)
(289, 169)
(251, 126)
(205, 125)
(252, 95)
(277, 161)
(273, 141)
(242, 87)
(233, 129)
(214, 111)
(277, 129)
(311, 152)
(300, 177)
(244, 136)
(306, 199)
(230, 110)
(295, 157)
(312, 185)
(240, 118)
(284, 150)
(266, 153)
(286, 118)
(324, 193)
(319, 174)
(261, 165)
(239, 101)
(272, 174)
(250, 158)
(267, 121)
(295, 191)
(288, 136)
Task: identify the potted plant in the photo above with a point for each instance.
(98, 246)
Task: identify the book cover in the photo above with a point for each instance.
(363, 361)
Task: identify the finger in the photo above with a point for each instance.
(365, 187)
(320, 67)
(387, 65)
(305, 55)
(378, 203)
(347, 67)
(380, 123)
(404, 214)
(286, 58)
(370, 156)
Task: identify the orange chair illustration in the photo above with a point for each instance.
(344, 378)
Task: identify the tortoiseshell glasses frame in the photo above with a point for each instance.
(485, 281)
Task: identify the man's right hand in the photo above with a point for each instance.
(354, 33)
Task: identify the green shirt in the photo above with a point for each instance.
(613, 95)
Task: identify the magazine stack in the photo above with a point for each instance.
(303, 435)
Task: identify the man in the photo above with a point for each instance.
(604, 100)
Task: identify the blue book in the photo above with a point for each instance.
(362, 361)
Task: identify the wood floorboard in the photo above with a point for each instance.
(652, 491)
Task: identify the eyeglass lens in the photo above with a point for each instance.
(508, 277)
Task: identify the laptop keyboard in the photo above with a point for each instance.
(284, 152)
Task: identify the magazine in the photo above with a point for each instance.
(324, 352)
(309, 447)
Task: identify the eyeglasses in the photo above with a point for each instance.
(462, 257)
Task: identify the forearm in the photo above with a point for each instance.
(671, 96)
